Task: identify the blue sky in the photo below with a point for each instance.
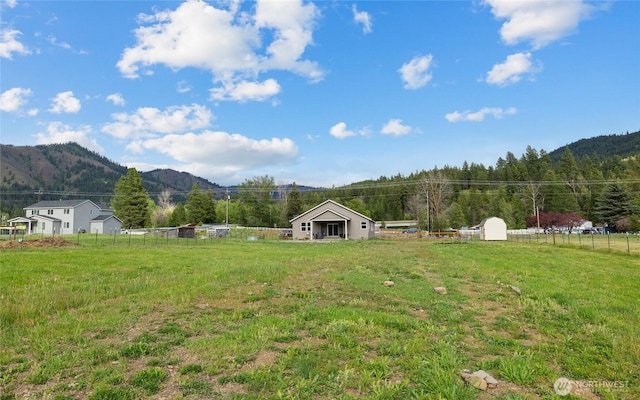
(321, 93)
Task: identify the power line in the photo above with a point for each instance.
(362, 186)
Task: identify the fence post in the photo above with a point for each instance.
(609, 240)
(593, 245)
(628, 248)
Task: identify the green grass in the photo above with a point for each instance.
(280, 319)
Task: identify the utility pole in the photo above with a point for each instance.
(428, 216)
(39, 192)
(227, 216)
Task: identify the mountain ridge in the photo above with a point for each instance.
(47, 172)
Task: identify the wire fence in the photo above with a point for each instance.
(627, 243)
(619, 242)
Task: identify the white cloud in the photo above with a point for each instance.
(233, 152)
(362, 17)
(52, 39)
(244, 91)
(478, 116)
(291, 24)
(512, 69)
(65, 103)
(9, 43)
(183, 87)
(190, 36)
(57, 132)
(116, 98)
(395, 127)
(538, 22)
(11, 3)
(149, 121)
(11, 100)
(415, 73)
(340, 131)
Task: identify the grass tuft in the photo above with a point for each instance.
(149, 380)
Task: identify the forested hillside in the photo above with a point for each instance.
(513, 189)
(604, 146)
(602, 185)
(50, 172)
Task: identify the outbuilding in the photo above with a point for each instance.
(493, 228)
(187, 231)
(332, 220)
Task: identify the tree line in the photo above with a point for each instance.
(602, 190)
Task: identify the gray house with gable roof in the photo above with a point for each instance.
(63, 217)
(332, 220)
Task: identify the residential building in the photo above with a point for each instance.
(332, 220)
(62, 217)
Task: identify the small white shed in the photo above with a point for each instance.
(493, 228)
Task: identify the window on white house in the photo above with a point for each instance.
(303, 227)
(363, 224)
(66, 211)
(49, 212)
(66, 225)
(41, 226)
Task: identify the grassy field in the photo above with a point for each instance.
(280, 319)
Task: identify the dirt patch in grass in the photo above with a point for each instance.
(506, 388)
(263, 358)
(44, 242)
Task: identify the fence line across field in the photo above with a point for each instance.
(619, 242)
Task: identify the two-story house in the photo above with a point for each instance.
(63, 217)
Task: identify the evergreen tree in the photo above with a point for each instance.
(131, 201)
(567, 170)
(178, 216)
(201, 206)
(557, 195)
(615, 203)
(294, 202)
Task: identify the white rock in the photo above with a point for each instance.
(440, 290)
(478, 382)
(515, 289)
(481, 374)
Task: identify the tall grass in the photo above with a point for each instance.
(271, 319)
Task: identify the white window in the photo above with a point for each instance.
(49, 212)
(66, 225)
(66, 211)
(42, 226)
(363, 224)
(303, 227)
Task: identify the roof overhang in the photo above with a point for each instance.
(340, 216)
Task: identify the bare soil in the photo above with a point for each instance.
(43, 242)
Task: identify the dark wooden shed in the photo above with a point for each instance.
(187, 231)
